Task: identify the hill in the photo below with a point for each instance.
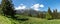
(34, 20)
(5, 20)
(31, 20)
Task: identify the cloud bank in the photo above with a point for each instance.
(37, 6)
(34, 6)
(20, 7)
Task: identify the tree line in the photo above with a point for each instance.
(50, 14)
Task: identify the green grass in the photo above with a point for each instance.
(32, 20)
(42, 21)
(4, 20)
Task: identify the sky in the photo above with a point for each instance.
(41, 5)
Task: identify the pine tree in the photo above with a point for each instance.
(55, 14)
(7, 8)
(0, 8)
(49, 13)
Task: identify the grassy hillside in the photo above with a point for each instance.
(31, 20)
(41, 21)
(4, 20)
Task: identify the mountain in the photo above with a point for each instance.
(29, 11)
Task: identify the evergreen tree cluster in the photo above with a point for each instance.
(50, 14)
(8, 8)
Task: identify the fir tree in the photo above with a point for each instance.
(7, 8)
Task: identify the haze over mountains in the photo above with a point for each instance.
(33, 9)
(29, 11)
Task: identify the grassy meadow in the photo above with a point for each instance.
(31, 20)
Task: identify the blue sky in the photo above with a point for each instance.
(29, 3)
(53, 4)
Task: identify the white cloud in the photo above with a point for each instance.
(20, 7)
(41, 5)
(36, 9)
(34, 6)
(37, 6)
